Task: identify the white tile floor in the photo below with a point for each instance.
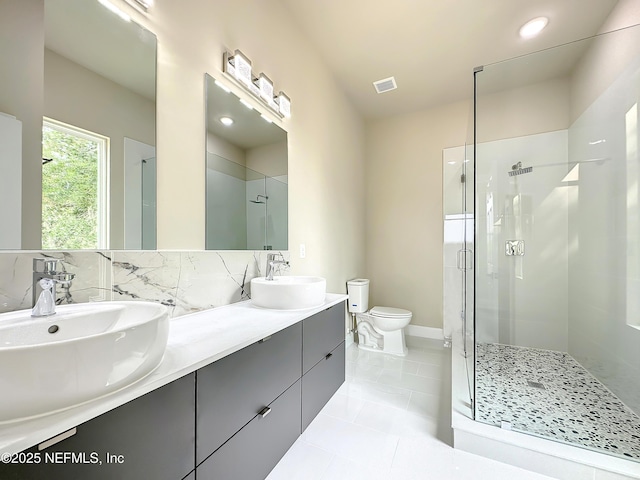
(391, 420)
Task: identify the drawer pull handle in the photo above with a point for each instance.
(264, 412)
(329, 355)
(264, 339)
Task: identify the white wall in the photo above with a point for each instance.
(270, 160)
(405, 214)
(325, 134)
(219, 146)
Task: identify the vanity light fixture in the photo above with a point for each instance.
(284, 104)
(237, 67)
(533, 27)
(266, 119)
(241, 67)
(226, 121)
(265, 86)
(110, 6)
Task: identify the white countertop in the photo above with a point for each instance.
(195, 340)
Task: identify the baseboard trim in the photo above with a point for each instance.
(424, 332)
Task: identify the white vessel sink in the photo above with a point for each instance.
(83, 352)
(288, 292)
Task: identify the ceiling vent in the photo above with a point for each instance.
(385, 85)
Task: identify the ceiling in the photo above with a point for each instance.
(432, 46)
(248, 130)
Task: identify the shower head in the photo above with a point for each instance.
(257, 200)
(516, 169)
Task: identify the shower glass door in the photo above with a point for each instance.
(557, 231)
(458, 262)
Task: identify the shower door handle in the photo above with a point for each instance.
(465, 259)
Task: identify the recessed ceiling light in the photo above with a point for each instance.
(533, 27)
(226, 121)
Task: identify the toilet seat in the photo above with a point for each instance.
(389, 312)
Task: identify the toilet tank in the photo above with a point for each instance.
(358, 290)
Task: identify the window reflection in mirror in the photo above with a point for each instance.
(246, 176)
(88, 68)
(74, 188)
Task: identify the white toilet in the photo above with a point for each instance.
(380, 329)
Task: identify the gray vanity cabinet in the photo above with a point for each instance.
(258, 447)
(321, 333)
(321, 382)
(235, 389)
(232, 419)
(152, 436)
(323, 357)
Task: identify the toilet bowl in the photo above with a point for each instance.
(381, 329)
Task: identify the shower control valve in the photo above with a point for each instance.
(514, 248)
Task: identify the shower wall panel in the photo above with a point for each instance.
(604, 314)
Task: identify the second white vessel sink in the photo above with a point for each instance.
(288, 292)
(84, 351)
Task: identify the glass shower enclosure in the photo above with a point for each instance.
(555, 298)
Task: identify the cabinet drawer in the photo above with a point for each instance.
(321, 333)
(231, 391)
(258, 447)
(150, 437)
(321, 382)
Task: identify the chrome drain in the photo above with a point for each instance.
(536, 385)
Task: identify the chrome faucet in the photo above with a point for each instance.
(271, 262)
(45, 278)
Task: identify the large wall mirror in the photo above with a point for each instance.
(89, 75)
(246, 175)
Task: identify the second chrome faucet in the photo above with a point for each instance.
(272, 262)
(43, 289)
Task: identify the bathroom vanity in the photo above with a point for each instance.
(236, 388)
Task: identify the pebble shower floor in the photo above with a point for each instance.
(549, 394)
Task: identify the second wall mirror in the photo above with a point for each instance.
(246, 175)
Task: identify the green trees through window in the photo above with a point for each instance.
(69, 189)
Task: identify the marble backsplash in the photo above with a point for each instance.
(185, 281)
